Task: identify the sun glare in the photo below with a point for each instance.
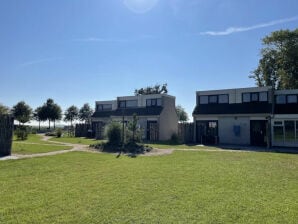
(140, 6)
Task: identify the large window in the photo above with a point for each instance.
(131, 103)
(214, 99)
(223, 98)
(122, 104)
(153, 102)
(203, 99)
(254, 97)
(245, 97)
(290, 135)
(291, 98)
(280, 99)
(101, 107)
(263, 97)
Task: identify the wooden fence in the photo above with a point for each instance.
(186, 132)
(6, 134)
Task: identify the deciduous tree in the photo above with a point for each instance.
(22, 112)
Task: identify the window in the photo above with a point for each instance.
(122, 104)
(223, 98)
(290, 131)
(291, 98)
(101, 107)
(278, 133)
(280, 99)
(254, 97)
(263, 97)
(212, 99)
(203, 99)
(131, 103)
(153, 102)
(245, 97)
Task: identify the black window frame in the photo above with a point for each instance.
(285, 101)
(254, 100)
(200, 99)
(292, 95)
(266, 96)
(126, 106)
(122, 101)
(154, 102)
(249, 97)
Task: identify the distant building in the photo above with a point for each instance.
(247, 116)
(156, 113)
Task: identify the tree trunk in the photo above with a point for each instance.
(54, 124)
(39, 125)
(6, 134)
(49, 124)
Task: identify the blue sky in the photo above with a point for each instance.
(78, 51)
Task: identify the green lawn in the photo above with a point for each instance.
(166, 145)
(75, 140)
(184, 187)
(23, 148)
(32, 138)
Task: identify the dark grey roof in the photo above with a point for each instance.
(143, 111)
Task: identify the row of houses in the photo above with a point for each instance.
(257, 116)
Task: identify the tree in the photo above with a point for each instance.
(71, 114)
(39, 115)
(51, 111)
(3, 109)
(132, 126)
(182, 115)
(22, 112)
(157, 89)
(278, 66)
(85, 113)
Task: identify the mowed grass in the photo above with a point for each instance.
(167, 145)
(34, 144)
(184, 187)
(19, 148)
(76, 140)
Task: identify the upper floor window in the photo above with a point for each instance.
(203, 99)
(224, 98)
(280, 99)
(131, 103)
(263, 97)
(122, 104)
(254, 97)
(153, 102)
(104, 107)
(214, 99)
(291, 98)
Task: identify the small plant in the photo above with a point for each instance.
(113, 133)
(174, 139)
(59, 133)
(21, 133)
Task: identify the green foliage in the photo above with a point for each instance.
(71, 114)
(3, 109)
(278, 65)
(85, 113)
(113, 133)
(132, 126)
(21, 133)
(181, 113)
(22, 112)
(157, 89)
(59, 133)
(174, 139)
(49, 111)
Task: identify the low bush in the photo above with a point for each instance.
(21, 133)
(59, 133)
(130, 147)
(113, 133)
(51, 134)
(174, 139)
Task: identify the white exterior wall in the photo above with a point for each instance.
(226, 130)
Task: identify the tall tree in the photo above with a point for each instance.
(278, 66)
(51, 111)
(4, 109)
(85, 113)
(39, 115)
(22, 112)
(71, 114)
(157, 89)
(182, 115)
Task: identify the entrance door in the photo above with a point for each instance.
(258, 133)
(207, 132)
(152, 131)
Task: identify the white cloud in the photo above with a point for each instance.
(39, 61)
(232, 30)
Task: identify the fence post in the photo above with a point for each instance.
(6, 134)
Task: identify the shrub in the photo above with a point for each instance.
(50, 134)
(21, 133)
(59, 133)
(174, 139)
(113, 133)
